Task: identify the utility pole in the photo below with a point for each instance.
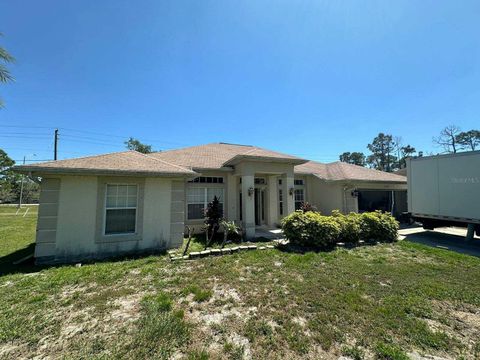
(55, 144)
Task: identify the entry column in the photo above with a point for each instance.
(248, 205)
(288, 190)
(272, 200)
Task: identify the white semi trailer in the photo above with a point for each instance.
(444, 190)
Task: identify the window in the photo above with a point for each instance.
(260, 181)
(121, 209)
(198, 198)
(298, 182)
(299, 198)
(207, 180)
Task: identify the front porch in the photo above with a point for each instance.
(264, 198)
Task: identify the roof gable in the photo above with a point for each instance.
(341, 171)
(218, 155)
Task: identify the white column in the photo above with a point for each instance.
(248, 206)
(272, 197)
(288, 197)
(232, 197)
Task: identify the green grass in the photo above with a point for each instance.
(17, 234)
(384, 300)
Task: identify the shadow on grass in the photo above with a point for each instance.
(7, 266)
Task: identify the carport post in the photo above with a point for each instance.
(470, 232)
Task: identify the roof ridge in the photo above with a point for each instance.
(163, 161)
(251, 150)
(183, 148)
(226, 143)
(84, 157)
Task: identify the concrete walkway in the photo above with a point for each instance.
(268, 233)
(448, 238)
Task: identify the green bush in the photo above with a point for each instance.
(349, 226)
(311, 229)
(378, 226)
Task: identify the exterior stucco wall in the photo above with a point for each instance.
(77, 210)
(81, 215)
(47, 217)
(325, 196)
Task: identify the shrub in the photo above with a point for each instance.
(378, 226)
(349, 226)
(213, 215)
(306, 207)
(310, 229)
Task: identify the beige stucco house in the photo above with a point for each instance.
(128, 202)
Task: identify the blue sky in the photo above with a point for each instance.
(311, 78)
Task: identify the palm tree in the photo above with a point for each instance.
(5, 75)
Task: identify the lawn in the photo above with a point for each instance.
(382, 301)
(17, 234)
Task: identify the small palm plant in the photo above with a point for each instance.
(229, 228)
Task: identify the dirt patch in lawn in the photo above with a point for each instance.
(459, 321)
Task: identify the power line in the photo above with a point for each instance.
(91, 142)
(39, 137)
(124, 137)
(27, 126)
(23, 133)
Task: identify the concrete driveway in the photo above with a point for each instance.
(448, 238)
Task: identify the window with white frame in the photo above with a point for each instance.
(121, 209)
(299, 198)
(207, 180)
(198, 198)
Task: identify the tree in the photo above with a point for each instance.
(134, 144)
(356, 158)
(469, 140)
(382, 148)
(5, 76)
(448, 139)
(10, 183)
(7, 178)
(405, 151)
(5, 162)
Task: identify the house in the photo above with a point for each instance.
(126, 202)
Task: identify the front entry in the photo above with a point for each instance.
(259, 206)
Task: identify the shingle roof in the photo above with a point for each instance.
(340, 171)
(125, 162)
(217, 155)
(211, 156)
